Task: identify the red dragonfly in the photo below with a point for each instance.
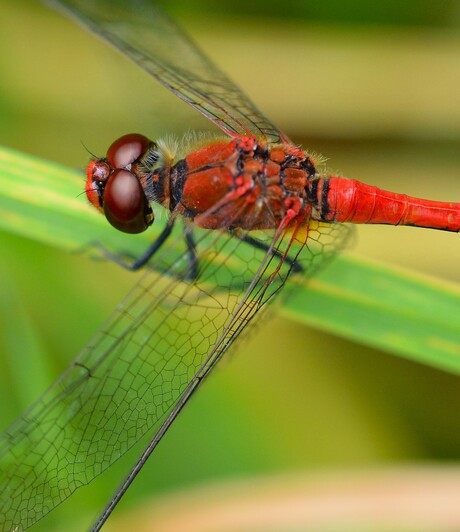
(244, 212)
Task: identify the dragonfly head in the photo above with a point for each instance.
(114, 183)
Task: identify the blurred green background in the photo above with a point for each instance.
(372, 86)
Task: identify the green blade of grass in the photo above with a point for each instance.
(388, 308)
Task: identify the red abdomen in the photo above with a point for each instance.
(346, 200)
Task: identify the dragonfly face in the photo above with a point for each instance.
(114, 183)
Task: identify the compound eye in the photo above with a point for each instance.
(126, 150)
(125, 205)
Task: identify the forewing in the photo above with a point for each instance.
(140, 30)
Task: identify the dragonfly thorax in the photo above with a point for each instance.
(237, 184)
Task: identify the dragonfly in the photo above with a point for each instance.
(245, 211)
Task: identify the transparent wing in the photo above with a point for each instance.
(148, 358)
(147, 36)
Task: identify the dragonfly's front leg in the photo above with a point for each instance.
(143, 259)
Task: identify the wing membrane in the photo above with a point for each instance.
(141, 364)
(141, 31)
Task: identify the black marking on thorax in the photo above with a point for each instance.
(324, 200)
(177, 182)
(309, 167)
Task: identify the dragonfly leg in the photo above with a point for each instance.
(143, 259)
(191, 250)
(296, 267)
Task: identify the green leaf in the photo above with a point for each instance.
(388, 308)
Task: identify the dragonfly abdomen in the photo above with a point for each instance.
(338, 199)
